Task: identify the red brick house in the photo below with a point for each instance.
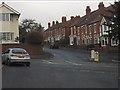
(59, 31)
(90, 28)
(86, 30)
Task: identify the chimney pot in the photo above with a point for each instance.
(101, 5)
(53, 23)
(3, 3)
(88, 10)
(72, 17)
(57, 22)
(77, 16)
(49, 25)
(63, 19)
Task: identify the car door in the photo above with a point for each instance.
(5, 55)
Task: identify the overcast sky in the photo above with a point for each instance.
(48, 11)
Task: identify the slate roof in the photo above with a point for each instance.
(95, 16)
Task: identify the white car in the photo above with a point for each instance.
(16, 55)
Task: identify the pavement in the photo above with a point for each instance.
(103, 57)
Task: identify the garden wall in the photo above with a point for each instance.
(33, 50)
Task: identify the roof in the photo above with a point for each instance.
(54, 27)
(95, 16)
(10, 8)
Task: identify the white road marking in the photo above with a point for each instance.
(73, 63)
(115, 60)
(49, 62)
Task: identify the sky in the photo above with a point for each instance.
(48, 11)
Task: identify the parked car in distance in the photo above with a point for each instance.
(54, 45)
(16, 55)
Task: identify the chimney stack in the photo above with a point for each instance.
(53, 22)
(88, 10)
(77, 17)
(63, 19)
(72, 17)
(57, 22)
(3, 3)
(49, 25)
(101, 7)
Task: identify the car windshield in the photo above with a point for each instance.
(19, 51)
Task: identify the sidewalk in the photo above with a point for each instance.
(106, 58)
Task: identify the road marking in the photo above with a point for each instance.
(49, 62)
(115, 60)
(73, 63)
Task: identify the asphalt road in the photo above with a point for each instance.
(66, 69)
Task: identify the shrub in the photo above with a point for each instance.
(34, 37)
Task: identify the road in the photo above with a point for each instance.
(66, 69)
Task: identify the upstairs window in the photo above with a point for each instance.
(78, 29)
(6, 17)
(90, 29)
(94, 28)
(71, 31)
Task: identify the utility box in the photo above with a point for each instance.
(96, 56)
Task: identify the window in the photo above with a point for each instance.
(6, 17)
(11, 17)
(90, 40)
(19, 51)
(0, 16)
(85, 27)
(71, 31)
(94, 28)
(3, 17)
(83, 41)
(90, 29)
(7, 36)
(95, 40)
(105, 41)
(105, 28)
(78, 30)
(7, 51)
(82, 29)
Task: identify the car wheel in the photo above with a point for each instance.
(8, 62)
(28, 64)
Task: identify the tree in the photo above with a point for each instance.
(34, 37)
(114, 22)
(28, 25)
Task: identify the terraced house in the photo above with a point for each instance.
(59, 31)
(9, 29)
(86, 30)
(90, 28)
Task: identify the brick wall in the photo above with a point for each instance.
(33, 50)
